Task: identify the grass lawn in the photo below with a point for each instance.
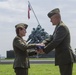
(34, 59)
(36, 69)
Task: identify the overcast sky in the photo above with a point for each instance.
(13, 12)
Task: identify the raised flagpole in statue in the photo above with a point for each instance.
(30, 8)
(38, 34)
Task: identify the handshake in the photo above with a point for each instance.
(39, 48)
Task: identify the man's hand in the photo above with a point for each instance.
(40, 48)
(40, 51)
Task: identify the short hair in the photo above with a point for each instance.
(17, 30)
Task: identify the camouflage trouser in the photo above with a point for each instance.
(21, 71)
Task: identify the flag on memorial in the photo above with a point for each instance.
(29, 8)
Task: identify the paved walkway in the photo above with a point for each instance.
(31, 61)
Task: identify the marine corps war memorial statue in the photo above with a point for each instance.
(37, 35)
